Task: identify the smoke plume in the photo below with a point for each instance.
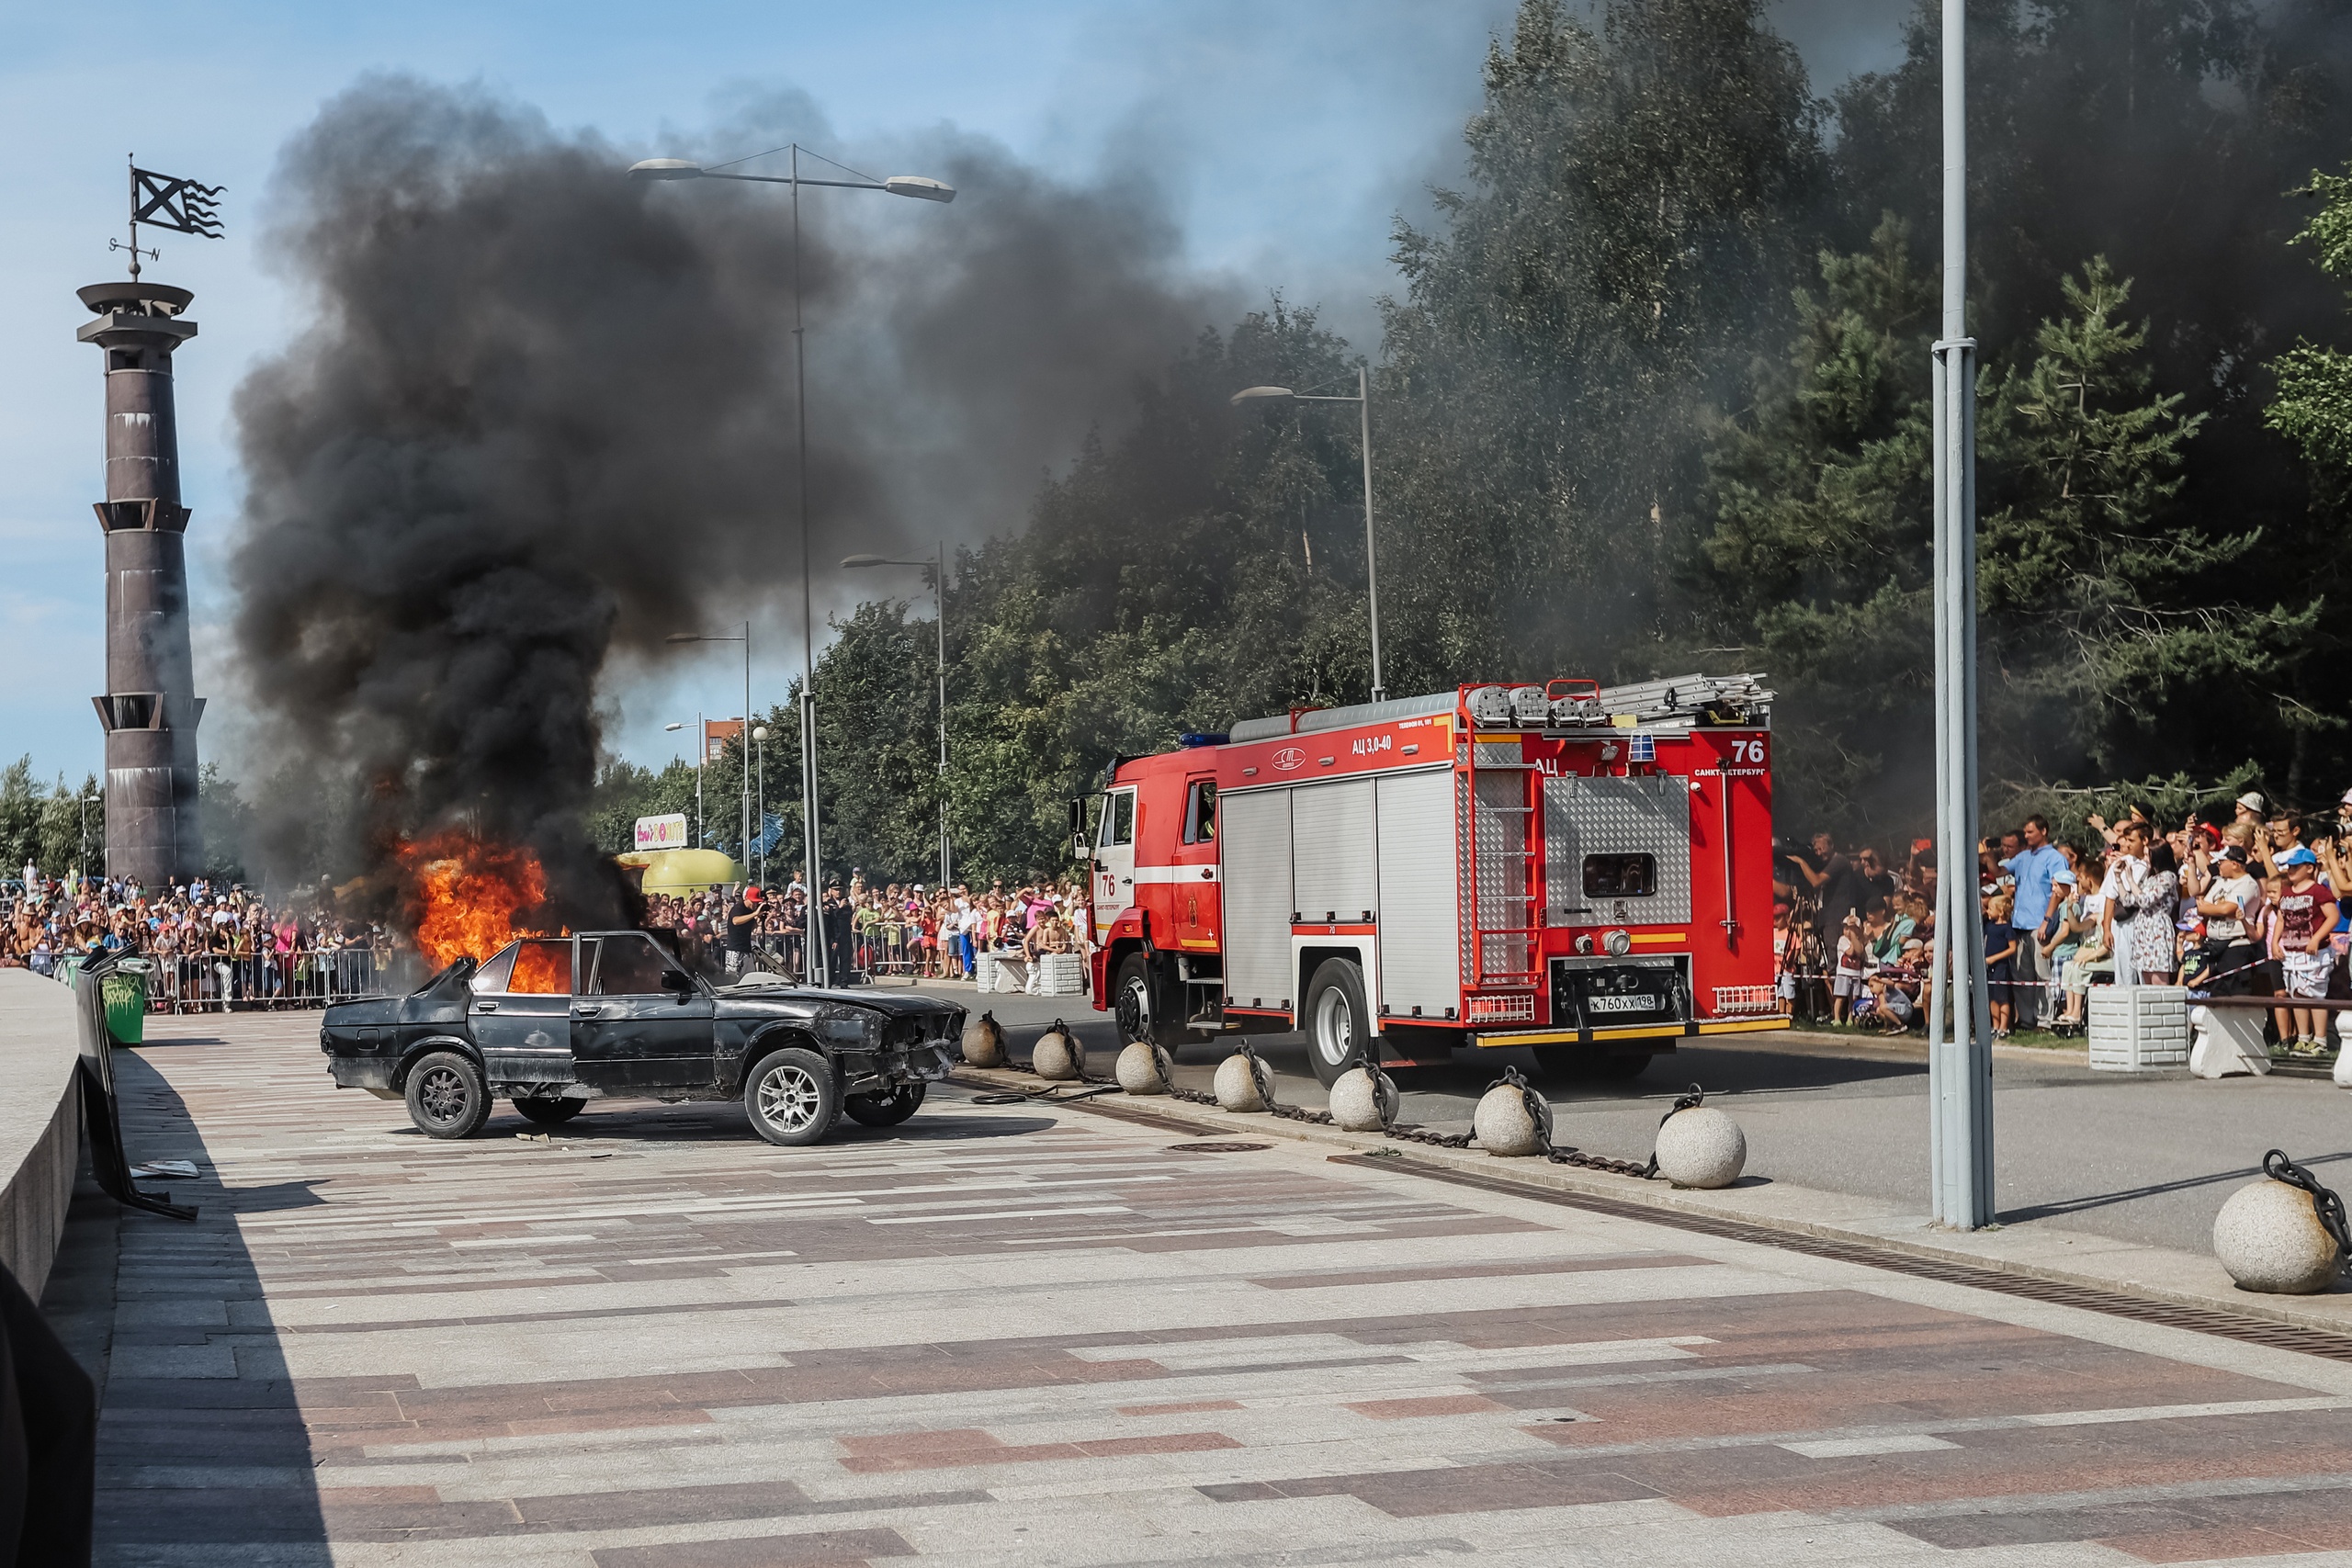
(542, 417)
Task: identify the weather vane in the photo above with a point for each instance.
(162, 202)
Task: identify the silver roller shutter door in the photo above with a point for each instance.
(1337, 874)
(1418, 919)
(1254, 845)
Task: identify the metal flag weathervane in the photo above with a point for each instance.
(162, 202)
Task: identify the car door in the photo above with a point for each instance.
(640, 1024)
(520, 1013)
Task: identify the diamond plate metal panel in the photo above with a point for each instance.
(1616, 817)
(1500, 754)
(1335, 870)
(1419, 915)
(1253, 842)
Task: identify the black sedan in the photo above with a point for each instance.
(552, 1022)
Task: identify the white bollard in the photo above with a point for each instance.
(984, 1042)
(2229, 1041)
(2269, 1238)
(2343, 1072)
(1057, 1057)
(1502, 1125)
(1237, 1089)
(1355, 1103)
(1139, 1070)
(1700, 1148)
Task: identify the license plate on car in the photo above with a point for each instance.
(1621, 1004)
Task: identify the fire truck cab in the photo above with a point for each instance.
(1578, 869)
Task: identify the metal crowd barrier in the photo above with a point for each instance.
(204, 982)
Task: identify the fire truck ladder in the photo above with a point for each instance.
(1502, 793)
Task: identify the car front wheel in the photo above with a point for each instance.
(446, 1096)
(886, 1110)
(792, 1096)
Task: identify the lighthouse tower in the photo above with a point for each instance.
(151, 709)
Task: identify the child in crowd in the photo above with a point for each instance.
(2000, 962)
(1849, 982)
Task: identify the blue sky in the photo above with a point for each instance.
(1286, 136)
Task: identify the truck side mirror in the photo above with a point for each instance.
(1078, 845)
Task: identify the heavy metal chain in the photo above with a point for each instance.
(2324, 1202)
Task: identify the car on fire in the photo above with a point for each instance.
(552, 1022)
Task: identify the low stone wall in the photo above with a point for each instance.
(40, 1121)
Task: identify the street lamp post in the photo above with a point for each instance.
(759, 740)
(702, 746)
(81, 868)
(938, 571)
(1362, 400)
(743, 637)
(920, 188)
(1960, 1051)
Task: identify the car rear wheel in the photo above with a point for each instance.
(549, 1112)
(884, 1110)
(1339, 1023)
(446, 1096)
(792, 1096)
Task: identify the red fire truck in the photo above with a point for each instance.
(1580, 869)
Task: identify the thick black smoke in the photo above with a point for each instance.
(543, 417)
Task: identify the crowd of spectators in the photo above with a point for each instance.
(903, 930)
(208, 945)
(2238, 904)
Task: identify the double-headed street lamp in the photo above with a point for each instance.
(922, 188)
(1371, 555)
(760, 801)
(743, 637)
(937, 570)
(702, 749)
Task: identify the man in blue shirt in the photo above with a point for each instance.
(2032, 868)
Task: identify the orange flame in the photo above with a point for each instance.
(470, 898)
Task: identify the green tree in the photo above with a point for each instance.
(1636, 213)
(1817, 565)
(2102, 596)
(20, 815)
(73, 830)
(2313, 406)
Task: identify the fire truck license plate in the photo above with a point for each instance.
(1621, 1004)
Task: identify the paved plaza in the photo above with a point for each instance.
(2145, 1158)
(1016, 1334)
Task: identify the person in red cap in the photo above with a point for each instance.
(742, 920)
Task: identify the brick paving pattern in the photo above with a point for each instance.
(1011, 1335)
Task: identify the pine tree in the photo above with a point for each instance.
(2102, 602)
(1818, 559)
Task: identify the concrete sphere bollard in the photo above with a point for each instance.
(1236, 1089)
(1501, 1123)
(984, 1042)
(1700, 1148)
(1139, 1070)
(2269, 1238)
(1355, 1103)
(1057, 1057)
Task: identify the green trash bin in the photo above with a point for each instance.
(68, 966)
(125, 993)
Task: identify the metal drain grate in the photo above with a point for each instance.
(2202, 1320)
(1216, 1149)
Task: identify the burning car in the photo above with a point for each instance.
(552, 1022)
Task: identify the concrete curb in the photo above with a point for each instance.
(2050, 1255)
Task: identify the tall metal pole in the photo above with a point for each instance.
(759, 772)
(746, 738)
(939, 600)
(1371, 553)
(702, 753)
(1959, 1051)
(820, 963)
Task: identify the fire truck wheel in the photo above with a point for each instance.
(1337, 1019)
(1137, 1003)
